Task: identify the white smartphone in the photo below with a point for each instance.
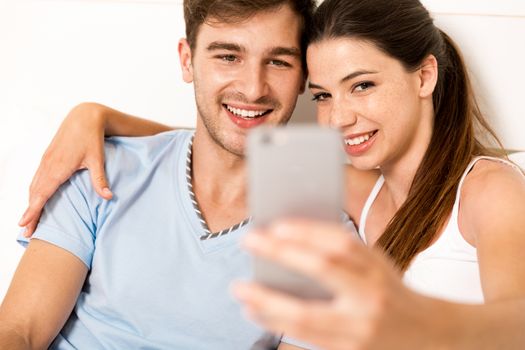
(294, 171)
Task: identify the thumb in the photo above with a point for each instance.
(99, 181)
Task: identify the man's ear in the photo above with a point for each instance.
(185, 60)
(428, 75)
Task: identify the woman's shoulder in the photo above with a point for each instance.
(491, 191)
(491, 174)
(358, 185)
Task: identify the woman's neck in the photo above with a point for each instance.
(399, 173)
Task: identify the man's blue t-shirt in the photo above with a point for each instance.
(152, 282)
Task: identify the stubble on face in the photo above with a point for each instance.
(221, 136)
(219, 83)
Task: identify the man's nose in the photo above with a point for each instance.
(252, 82)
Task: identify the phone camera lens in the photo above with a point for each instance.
(266, 139)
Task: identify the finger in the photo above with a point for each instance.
(331, 240)
(29, 213)
(324, 236)
(31, 227)
(310, 321)
(43, 185)
(274, 310)
(99, 180)
(327, 239)
(25, 219)
(337, 272)
(34, 210)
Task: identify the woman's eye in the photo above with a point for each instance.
(320, 97)
(363, 86)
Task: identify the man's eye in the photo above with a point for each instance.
(363, 86)
(320, 97)
(279, 63)
(228, 58)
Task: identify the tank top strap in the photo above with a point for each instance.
(455, 209)
(369, 201)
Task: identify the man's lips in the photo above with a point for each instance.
(247, 112)
(247, 118)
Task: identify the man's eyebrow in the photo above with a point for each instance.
(345, 79)
(285, 51)
(275, 51)
(220, 45)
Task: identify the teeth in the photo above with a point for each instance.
(359, 139)
(245, 113)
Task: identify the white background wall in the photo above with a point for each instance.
(55, 54)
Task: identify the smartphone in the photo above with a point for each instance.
(294, 172)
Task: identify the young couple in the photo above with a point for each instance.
(149, 264)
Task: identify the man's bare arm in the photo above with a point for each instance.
(42, 294)
(79, 144)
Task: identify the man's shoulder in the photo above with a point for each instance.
(129, 159)
(146, 149)
(167, 138)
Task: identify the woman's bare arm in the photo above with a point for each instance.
(121, 124)
(79, 144)
(372, 309)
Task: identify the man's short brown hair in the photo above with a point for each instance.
(197, 12)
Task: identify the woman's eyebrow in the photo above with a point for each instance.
(344, 79)
(356, 74)
(315, 86)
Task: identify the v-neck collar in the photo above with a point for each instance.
(207, 232)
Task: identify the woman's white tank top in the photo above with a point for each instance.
(448, 269)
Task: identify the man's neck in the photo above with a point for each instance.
(219, 182)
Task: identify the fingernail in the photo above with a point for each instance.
(107, 191)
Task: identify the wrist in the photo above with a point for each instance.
(440, 323)
(94, 116)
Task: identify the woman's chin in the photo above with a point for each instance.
(361, 163)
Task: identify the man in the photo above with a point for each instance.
(151, 267)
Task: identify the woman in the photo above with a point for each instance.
(397, 88)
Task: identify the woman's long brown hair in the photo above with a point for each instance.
(403, 29)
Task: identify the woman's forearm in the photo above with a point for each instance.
(496, 325)
(117, 123)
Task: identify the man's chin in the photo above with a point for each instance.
(238, 149)
(233, 143)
